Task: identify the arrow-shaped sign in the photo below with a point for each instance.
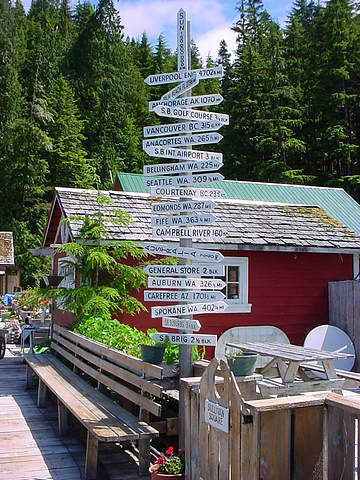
(189, 283)
(181, 323)
(185, 270)
(187, 192)
(188, 309)
(182, 296)
(183, 252)
(182, 207)
(186, 102)
(183, 220)
(183, 180)
(173, 77)
(186, 339)
(184, 167)
(188, 114)
(177, 153)
(182, 88)
(183, 141)
(184, 127)
(204, 233)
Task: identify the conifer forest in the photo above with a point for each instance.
(73, 102)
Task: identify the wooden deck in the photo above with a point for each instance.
(30, 447)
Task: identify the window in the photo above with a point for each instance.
(66, 268)
(236, 279)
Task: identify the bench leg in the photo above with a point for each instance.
(42, 391)
(144, 456)
(92, 446)
(29, 374)
(62, 419)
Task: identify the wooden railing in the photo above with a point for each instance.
(305, 437)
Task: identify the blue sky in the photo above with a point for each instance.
(210, 20)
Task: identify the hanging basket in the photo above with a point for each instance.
(243, 365)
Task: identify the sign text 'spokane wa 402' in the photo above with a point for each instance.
(182, 219)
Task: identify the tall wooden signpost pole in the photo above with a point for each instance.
(189, 217)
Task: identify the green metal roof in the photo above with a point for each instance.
(334, 201)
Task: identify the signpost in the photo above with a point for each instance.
(186, 339)
(183, 141)
(188, 127)
(184, 270)
(170, 168)
(183, 181)
(182, 252)
(182, 296)
(181, 323)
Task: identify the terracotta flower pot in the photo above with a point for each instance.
(164, 476)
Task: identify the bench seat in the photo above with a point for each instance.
(104, 420)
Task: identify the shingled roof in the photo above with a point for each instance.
(250, 225)
(6, 249)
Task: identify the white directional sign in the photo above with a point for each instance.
(183, 220)
(183, 207)
(187, 192)
(182, 296)
(182, 88)
(200, 270)
(172, 77)
(183, 252)
(186, 339)
(182, 40)
(183, 180)
(188, 309)
(192, 232)
(178, 153)
(170, 168)
(183, 141)
(186, 102)
(181, 323)
(188, 114)
(190, 283)
(183, 127)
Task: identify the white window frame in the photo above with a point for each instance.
(68, 271)
(241, 304)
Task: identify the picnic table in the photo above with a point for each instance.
(293, 364)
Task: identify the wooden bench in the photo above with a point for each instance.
(352, 379)
(104, 420)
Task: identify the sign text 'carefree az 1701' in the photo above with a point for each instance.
(186, 339)
(188, 283)
(183, 167)
(182, 296)
(183, 252)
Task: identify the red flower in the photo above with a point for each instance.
(23, 294)
(161, 460)
(47, 300)
(169, 451)
(29, 293)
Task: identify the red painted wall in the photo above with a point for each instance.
(286, 290)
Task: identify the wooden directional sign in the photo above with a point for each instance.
(188, 309)
(183, 252)
(186, 339)
(183, 220)
(170, 168)
(182, 296)
(216, 415)
(197, 270)
(189, 283)
(182, 207)
(184, 127)
(182, 88)
(188, 114)
(186, 102)
(183, 180)
(187, 192)
(177, 153)
(173, 77)
(204, 233)
(183, 141)
(181, 323)
(182, 40)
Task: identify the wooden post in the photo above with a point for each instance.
(144, 456)
(42, 391)
(92, 447)
(62, 418)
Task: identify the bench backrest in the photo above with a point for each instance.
(126, 375)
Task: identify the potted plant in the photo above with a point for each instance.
(241, 363)
(169, 466)
(151, 351)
